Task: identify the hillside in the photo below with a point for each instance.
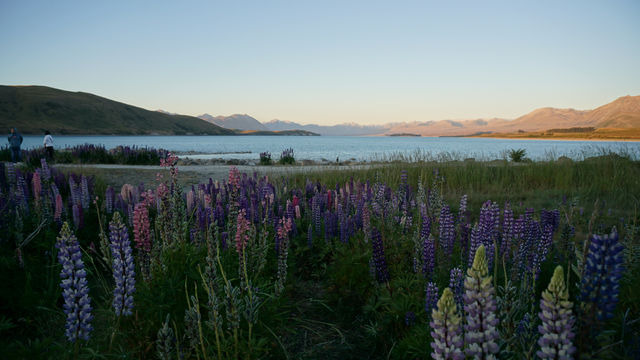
(33, 109)
(236, 121)
(622, 113)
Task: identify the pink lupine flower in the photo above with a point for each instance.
(234, 177)
(242, 231)
(141, 233)
(37, 186)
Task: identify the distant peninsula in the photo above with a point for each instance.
(34, 109)
(405, 135)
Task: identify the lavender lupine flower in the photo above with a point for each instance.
(310, 236)
(507, 232)
(75, 291)
(382, 273)
(474, 243)
(430, 297)
(480, 306)
(602, 273)
(446, 330)
(557, 320)
(110, 195)
(123, 267)
(447, 234)
(462, 211)
(456, 284)
(544, 245)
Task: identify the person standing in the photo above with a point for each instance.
(48, 145)
(15, 140)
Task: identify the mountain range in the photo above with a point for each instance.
(36, 108)
(622, 113)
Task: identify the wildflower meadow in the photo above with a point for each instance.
(402, 262)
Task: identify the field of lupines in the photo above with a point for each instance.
(91, 154)
(310, 268)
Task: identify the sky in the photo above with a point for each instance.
(329, 62)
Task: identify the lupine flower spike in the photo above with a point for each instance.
(445, 329)
(480, 305)
(123, 267)
(75, 291)
(557, 320)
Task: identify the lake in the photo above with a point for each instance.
(360, 148)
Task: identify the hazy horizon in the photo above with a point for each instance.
(332, 62)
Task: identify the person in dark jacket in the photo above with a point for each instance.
(15, 140)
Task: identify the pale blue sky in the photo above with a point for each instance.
(329, 61)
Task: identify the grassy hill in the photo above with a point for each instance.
(33, 109)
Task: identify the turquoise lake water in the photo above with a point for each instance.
(358, 148)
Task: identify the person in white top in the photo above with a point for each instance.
(48, 144)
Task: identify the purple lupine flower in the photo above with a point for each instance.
(446, 330)
(447, 231)
(431, 297)
(474, 243)
(480, 306)
(123, 267)
(428, 255)
(310, 237)
(543, 247)
(456, 284)
(75, 291)
(76, 210)
(557, 319)
(85, 196)
(550, 217)
(409, 318)
(462, 211)
(603, 270)
(507, 232)
(109, 197)
(382, 273)
(489, 228)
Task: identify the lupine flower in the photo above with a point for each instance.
(544, 245)
(430, 297)
(242, 231)
(447, 234)
(37, 186)
(409, 318)
(234, 178)
(445, 329)
(462, 211)
(480, 306)
(123, 267)
(282, 237)
(75, 291)
(76, 210)
(557, 320)
(382, 273)
(141, 232)
(508, 232)
(428, 255)
(58, 212)
(85, 196)
(602, 273)
(366, 223)
(310, 236)
(456, 284)
(474, 243)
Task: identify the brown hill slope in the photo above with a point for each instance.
(35, 108)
